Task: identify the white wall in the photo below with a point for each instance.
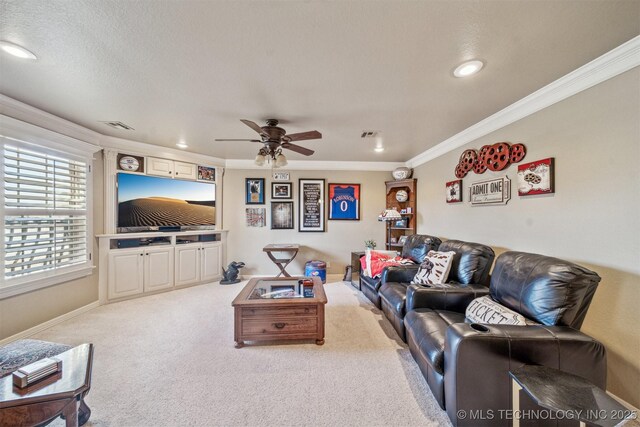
(334, 245)
(593, 218)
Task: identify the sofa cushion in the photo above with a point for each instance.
(472, 262)
(427, 329)
(418, 245)
(485, 310)
(545, 289)
(434, 270)
(394, 294)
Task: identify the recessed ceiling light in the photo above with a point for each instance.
(378, 149)
(15, 50)
(468, 68)
(182, 145)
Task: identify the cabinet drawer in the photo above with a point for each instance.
(310, 310)
(300, 325)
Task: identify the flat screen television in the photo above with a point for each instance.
(149, 203)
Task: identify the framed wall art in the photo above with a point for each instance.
(281, 215)
(454, 191)
(281, 190)
(344, 202)
(254, 191)
(311, 205)
(207, 174)
(256, 217)
(536, 178)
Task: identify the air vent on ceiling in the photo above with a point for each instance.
(118, 125)
(369, 134)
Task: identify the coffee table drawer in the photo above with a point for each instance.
(300, 325)
(310, 310)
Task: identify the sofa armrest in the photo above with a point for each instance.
(399, 273)
(454, 298)
(484, 354)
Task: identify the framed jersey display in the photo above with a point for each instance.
(344, 202)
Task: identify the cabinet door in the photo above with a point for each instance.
(125, 273)
(187, 264)
(185, 170)
(162, 167)
(211, 259)
(158, 269)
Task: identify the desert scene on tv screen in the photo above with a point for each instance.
(145, 201)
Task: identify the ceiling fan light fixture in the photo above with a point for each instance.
(281, 161)
(468, 68)
(17, 50)
(260, 160)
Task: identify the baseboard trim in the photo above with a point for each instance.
(49, 323)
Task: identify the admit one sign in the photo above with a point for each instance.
(490, 192)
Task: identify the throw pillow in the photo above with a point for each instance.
(485, 310)
(434, 270)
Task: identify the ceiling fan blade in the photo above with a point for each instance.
(297, 149)
(253, 126)
(312, 134)
(250, 140)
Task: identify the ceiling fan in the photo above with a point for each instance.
(275, 139)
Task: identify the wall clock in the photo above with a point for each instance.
(129, 163)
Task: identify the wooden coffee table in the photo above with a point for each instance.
(58, 395)
(259, 317)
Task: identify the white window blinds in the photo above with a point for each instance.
(45, 211)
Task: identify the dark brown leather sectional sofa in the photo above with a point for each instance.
(466, 365)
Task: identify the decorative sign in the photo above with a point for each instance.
(281, 176)
(491, 192)
(454, 191)
(536, 177)
(311, 205)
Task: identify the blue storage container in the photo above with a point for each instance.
(316, 268)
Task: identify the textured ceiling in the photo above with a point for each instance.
(190, 69)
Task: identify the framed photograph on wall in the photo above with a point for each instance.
(311, 205)
(536, 178)
(281, 215)
(344, 202)
(254, 191)
(454, 191)
(207, 174)
(281, 190)
(256, 217)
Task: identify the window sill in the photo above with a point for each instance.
(12, 289)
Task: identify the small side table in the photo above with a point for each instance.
(290, 249)
(59, 395)
(356, 268)
(569, 395)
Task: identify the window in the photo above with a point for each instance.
(46, 220)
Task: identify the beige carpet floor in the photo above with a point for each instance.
(169, 360)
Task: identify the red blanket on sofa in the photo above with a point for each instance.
(379, 261)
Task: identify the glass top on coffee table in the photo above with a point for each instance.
(282, 289)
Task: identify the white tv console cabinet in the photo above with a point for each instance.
(136, 264)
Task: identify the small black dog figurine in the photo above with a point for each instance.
(230, 275)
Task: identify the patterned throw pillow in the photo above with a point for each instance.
(434, 270)
(485, 310)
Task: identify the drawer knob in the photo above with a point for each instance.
(279, 325)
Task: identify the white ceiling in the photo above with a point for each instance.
(191, 69)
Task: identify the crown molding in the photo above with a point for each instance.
(20, 111)
(144, 149)
(318, 165)
(615, 62)
(29, 134)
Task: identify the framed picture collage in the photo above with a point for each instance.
(343, 203)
